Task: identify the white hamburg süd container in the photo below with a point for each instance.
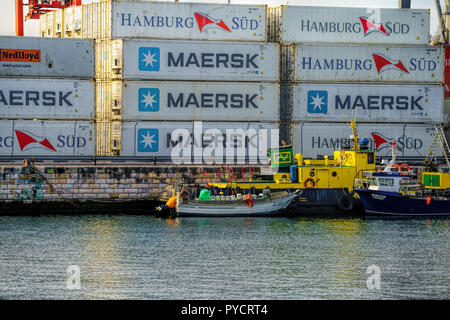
(300, 24)
(46, 138)
(366, 63)
(173, 20)
(313, 139)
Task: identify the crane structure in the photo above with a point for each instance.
(38, 7)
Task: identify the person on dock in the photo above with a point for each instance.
(168, 208)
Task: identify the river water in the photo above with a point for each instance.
(143, 257)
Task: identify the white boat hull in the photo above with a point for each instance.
(211, 209)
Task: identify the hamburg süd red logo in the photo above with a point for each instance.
(204, 21)
(28, 140)
(382, 142)
(383, 63)
(370, 27)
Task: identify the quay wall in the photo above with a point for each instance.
(90, 187)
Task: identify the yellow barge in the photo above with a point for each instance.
(325, 185)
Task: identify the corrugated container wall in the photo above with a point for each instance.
(368, 102)
(59, 23)
(42, 25)
(447, 112)
(47, 138)
(300, 24)
(447, 72)
(69, 18)
(181, 101)
(367, 63)
(38, 57)
(314, 139)
(26, 98)
(186, 60)
(84, 22)
(50, 25)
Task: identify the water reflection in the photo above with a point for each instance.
(101, 268)
(172, 222)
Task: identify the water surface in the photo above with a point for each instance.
(143, 257)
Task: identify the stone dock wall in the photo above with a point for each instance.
(92, 187)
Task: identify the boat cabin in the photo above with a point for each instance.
(384, 181)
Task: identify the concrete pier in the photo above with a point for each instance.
(107, 188)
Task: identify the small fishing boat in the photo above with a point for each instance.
(267, 204)
(379, 202)
(394, 194)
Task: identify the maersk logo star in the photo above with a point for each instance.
(148, 140)
(148, 99)
(317, 101)
(149, 59)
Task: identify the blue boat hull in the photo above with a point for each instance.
(395, 204)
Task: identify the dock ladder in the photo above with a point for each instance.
(438, 140)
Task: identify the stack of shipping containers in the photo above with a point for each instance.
(162, 66)
(46, 97)
(372, 64)
(447, 93)
(447, 74)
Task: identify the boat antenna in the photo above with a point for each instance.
(352, 125)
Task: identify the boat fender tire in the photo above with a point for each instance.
(185, 195)
(306, 183)
(345, 203)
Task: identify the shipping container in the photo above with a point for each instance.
(182, 21)
(50, 25)
(447, 112)
(368, 102)
(186, 60)
(300, 24)
(447, 72)
(199, 142)
(58, 21)
(108, 138)
(39, 57)
(83, 21)
(25, 98)
(78, 22)
(69, 18)
(175, 100)
(46, 138)
(42, 25)
(367, 63)
(319, 139)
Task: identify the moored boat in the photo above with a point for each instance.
(379, 202)
(393, 194)
(326, 184)
(240, 206)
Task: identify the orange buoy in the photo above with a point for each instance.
(402, 172)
